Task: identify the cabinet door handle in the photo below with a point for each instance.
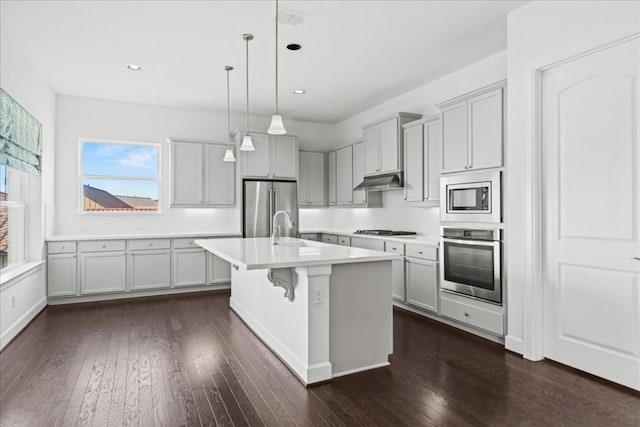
(104, 246)
(466, 314)
(420, 252)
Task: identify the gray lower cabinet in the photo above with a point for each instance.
(189, 267)
(311, 236)
(422, 284)
(150, 269)
(103, 272)
(397, 279)
(61, 275)
(219, 270)
(330, 238)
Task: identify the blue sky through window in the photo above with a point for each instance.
(113, 161)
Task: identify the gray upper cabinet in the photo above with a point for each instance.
(473, 130)
(331, 179)
(275, 157)
(360, 196)
(344, 176)
(422, 144)
(199, 177)
(383, 143)
(311, 179)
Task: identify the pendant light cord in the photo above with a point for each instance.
(228, 68)
(247, 58)
(277, 111)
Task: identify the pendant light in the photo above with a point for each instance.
(277, 127)
(247, 142)
(228, 154)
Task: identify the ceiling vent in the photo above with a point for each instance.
(290, 17)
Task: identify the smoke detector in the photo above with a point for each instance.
(290, 16)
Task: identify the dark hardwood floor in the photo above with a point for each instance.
(188, 360)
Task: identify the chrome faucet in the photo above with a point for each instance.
(275, 234)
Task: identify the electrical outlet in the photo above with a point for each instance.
(317, 296)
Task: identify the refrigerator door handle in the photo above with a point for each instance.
(275, 201)
(271, 211)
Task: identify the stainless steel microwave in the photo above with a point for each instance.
(471, 197)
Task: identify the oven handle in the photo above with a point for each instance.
(472, 242)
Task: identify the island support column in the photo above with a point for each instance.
(315, 279)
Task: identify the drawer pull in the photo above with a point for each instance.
(150, 244)
(466, 314)
(420, 252)
(104, 246)
(63, 247)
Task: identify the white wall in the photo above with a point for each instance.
(395, 214)
(539, 34)
(22, 298)
(91, 118)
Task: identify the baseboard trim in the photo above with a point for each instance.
(135, 294)
(514, 344)
(22, 323)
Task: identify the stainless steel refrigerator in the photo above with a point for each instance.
(262, 199)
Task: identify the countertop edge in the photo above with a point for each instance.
(139, 236)
(418, 240)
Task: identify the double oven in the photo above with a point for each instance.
(471, 237)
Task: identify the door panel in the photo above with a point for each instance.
(591, 219)
(360, 196)
(413, 165)
(371, 138)
(432, 150)
(285, 157)
(256, 163)
(344, 178)
(454, 138)
(187, 173)
(331, 159)
(316, 168)
(389, 145)
(303, 177)
(257, 217)
(221, 177)
(285, 198)
(485, 130)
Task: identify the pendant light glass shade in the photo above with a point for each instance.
(276, 127)
(228, 156)
(228, 153)
(247, 142)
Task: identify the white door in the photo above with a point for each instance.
(61, 275)
(413, 166)
(422, 284)
(189, 267)
(397, 279)
(284, 156)
(149, 269)
(103, 272)
(331, 180)
(590, 116)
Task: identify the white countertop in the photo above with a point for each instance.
(418, 239)
(140, 236)
(260, 253)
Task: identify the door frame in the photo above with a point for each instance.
(533, 285)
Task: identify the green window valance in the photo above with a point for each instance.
(20, 136)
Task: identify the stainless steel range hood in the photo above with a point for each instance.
(389, 181)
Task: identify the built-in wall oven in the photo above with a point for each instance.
(471, 197)
(472, 262)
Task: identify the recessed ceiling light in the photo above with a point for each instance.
(294, 46)
(134, 67)
(299, 91)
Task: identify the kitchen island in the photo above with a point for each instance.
(325, 310)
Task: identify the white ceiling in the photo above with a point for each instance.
(355, 54)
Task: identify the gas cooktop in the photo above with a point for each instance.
(386, 232)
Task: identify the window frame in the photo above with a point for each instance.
(82, 177)
(17, 236)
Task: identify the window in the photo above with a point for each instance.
(13, 191)
(119, 176)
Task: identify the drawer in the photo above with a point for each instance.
(395, 247)
(472, 315)
(185, 243)
(102, 246)
(310, 236)
(146, 244)
(421, 251)
(61, 247)
(344, 240)
(330, 238)
(365, 243)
